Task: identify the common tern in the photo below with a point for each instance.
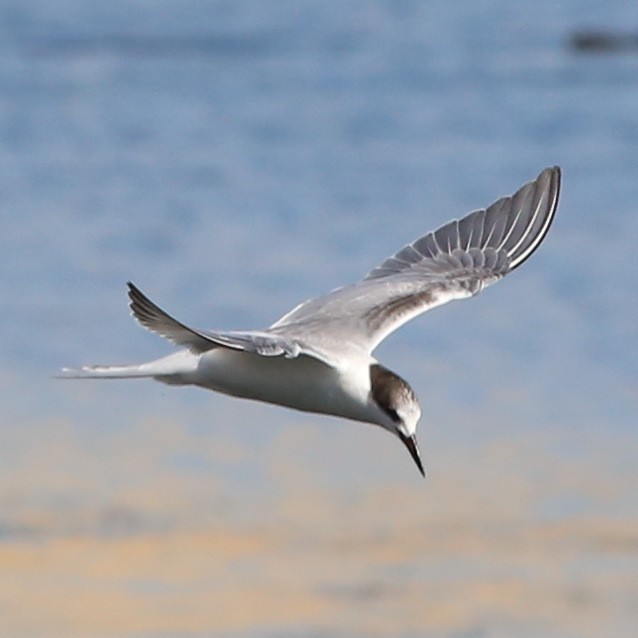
(318, 357)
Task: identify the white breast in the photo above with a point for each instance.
(303, 383)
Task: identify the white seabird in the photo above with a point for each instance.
(318, 357)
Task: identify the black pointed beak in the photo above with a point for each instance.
(411, 443)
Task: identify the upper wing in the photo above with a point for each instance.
(455, 261)
(156, 320)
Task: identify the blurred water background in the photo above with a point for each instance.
(233, 158)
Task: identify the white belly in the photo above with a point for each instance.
(303, 383)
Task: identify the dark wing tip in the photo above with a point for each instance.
(513, 226)
(150, 316)
(546, 191)
(143, 309)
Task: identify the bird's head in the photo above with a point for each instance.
(398, 408)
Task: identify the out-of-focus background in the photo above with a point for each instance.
(233, 158)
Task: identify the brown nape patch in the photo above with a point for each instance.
(389, 391)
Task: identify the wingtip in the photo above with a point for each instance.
(132, 289)
(140, 304)
(546, 187)
(555, 177)
(558, 173)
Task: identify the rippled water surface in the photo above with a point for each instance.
(234, 158)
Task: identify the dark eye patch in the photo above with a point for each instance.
(393, 414)
(389, 391)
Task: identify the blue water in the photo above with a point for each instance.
(233, 158)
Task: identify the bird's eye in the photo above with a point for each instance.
(393, 414)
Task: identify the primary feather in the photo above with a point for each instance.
(455, 261)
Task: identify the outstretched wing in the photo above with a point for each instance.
(456, 261)
(152, 317)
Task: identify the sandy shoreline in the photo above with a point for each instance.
(116, 539)
(569, 578)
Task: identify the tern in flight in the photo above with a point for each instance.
(318, 357)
